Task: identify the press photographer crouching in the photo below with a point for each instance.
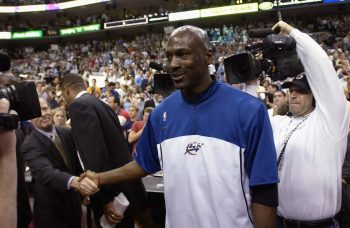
(310, 144)
(22, 98)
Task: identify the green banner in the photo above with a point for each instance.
(28, 34)
(80, 29)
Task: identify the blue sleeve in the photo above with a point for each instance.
(146, 154)
(260, 155)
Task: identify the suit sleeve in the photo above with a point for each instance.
(42, 169)
(89, 138)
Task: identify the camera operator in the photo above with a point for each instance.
(23, 99)
(8, 173)
(311, 144)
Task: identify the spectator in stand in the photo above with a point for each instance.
(137, 128)
(59, 117)
(133, 111)
(114, 103)
(94, 88)
(40, 88)
(220, 73)
(138, 78)
(106, 87)
(279, 103)
(265, 83)
(271, 89)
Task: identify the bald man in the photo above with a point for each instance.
(213, 143)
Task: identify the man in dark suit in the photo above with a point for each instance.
(51, 155)
(102, 146)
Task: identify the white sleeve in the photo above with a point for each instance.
(331, 104)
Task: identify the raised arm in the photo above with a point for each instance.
(330, 100)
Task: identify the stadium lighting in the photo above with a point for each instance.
(48, 7)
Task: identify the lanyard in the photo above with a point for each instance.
(281, 157)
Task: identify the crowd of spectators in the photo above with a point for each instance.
(64, 19)
(124, 65)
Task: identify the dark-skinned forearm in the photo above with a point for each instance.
(264, 216)
(127, 172)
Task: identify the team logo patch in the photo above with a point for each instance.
(193, 148)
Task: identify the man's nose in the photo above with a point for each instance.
(174, 64)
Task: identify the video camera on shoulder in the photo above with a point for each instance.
(22, 95)
(275, 56)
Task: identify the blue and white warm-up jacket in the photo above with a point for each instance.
(211, 152)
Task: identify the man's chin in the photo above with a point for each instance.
(179, 85)
(47, 127)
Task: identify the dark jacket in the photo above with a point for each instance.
(102, 146)
(54, 205)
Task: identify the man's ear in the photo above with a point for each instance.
(68, 91)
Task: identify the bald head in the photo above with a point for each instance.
(195, 32)
(188, 54)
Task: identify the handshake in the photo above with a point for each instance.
(87, 184)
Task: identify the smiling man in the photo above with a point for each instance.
(51, 156)
(219, 170)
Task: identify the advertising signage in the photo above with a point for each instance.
(5, 35)
(213, 12)
(80, 29)
(27, 34)
(228, 10)
(124, 23)
(283, 3)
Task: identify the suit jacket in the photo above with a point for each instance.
(102, 146)
(54, 205)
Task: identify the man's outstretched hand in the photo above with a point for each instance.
(84, 186)
(93, 179)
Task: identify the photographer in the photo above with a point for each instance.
(8, 173)
(311, 144)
